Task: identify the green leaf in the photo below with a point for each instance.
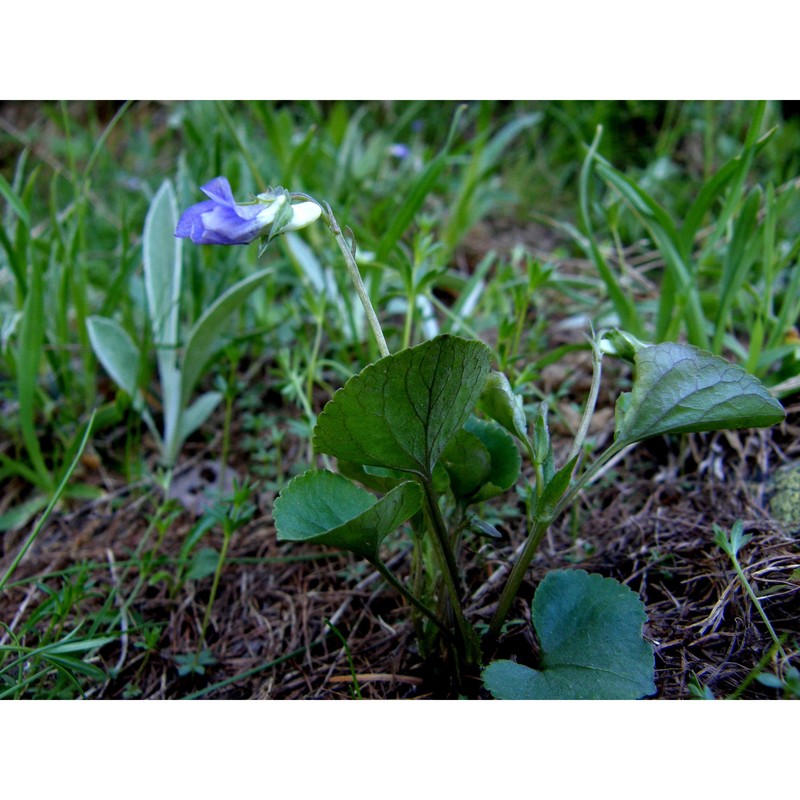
(203, 339)
(22, 513)
(680, 389)
(504, 458)
(468, 464)
(542, 449)
(328, 509)
(590, 632)
(401, 411)
(402, 216)
(14, 201)
(203, 564)
(554, 490)
(381, 480)
(116, 351)
(197, 413)
(32, 338)
(739, 258)
(161, 256)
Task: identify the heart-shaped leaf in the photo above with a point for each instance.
(506, 461)
(325, 508)
(590, 632)
(468, 464)
(401, 411)
(481, 461)
(679, 388)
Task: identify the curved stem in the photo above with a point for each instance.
(226, 540)
(348, 251)
(591, 402)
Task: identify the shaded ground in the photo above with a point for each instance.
(646, 523)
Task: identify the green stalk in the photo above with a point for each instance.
(541, 525)
(226, 425)
(449, 571)
(348, 251)
(416, 602)
(226, 540)
(756, 602)
(540, 528)
(51, 505)
(409, 320)
(515, 581)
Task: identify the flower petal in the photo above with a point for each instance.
(191, 219)
(221, 220)
(219, 190)
(223, 225)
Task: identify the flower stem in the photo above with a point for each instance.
(348, 251)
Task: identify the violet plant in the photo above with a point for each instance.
(431, 431)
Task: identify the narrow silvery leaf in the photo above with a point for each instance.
(679, 388)
(328, 509)
(120, 358)
(197, 413)
(116, 351)
(203, 339)
(401, 411)
(161, 254)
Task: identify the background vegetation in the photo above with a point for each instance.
(520, 223)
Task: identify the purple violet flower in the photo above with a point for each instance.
(221, 220)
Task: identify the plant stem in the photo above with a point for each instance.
(539, 529)
(226, 425)
(756, 602)
(514, 582)
(591, 402)
(355, 275)
(416, 602)
(226, 540)
(449, 570)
